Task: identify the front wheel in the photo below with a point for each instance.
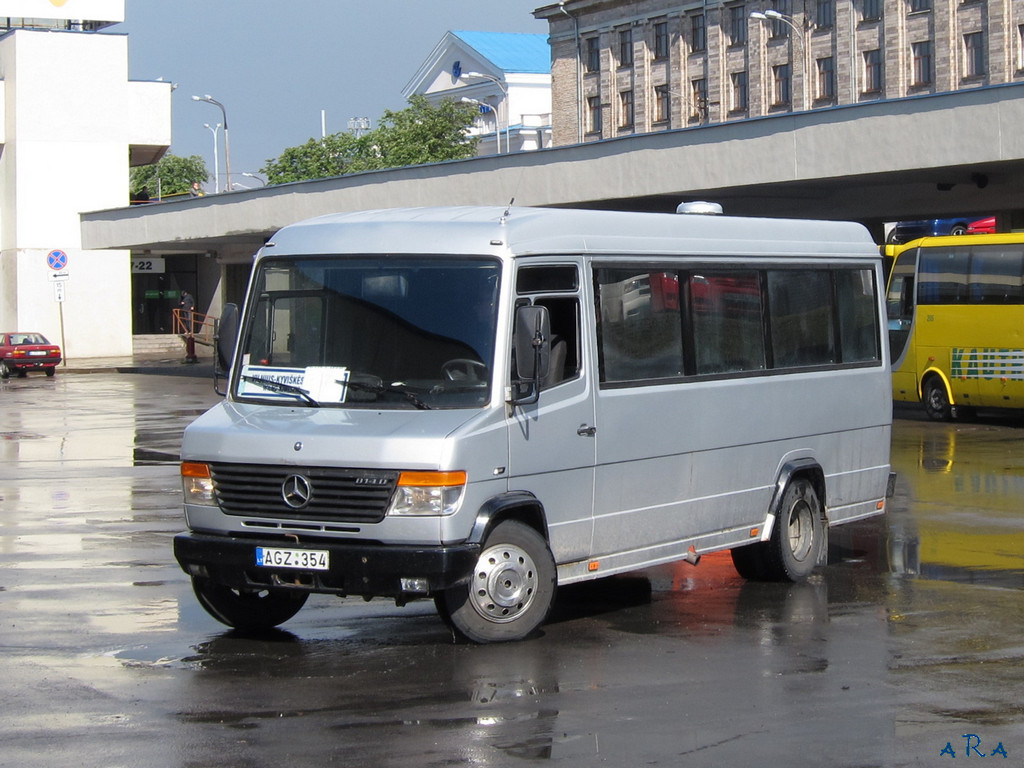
(510, 591)
(248, 609)
(936, 400)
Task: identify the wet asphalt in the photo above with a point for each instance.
(906, 650)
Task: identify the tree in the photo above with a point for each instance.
(420, 133)
(173, 175)
(332, 155)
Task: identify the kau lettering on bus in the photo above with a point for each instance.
(986, 363)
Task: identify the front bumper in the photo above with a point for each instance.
(355, 568)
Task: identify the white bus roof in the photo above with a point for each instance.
(536, 231)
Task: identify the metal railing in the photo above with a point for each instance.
(188, 323)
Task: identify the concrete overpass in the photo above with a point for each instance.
(953, 153)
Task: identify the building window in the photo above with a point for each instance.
(871, 10)
(737, 25)
(781, 85)
(825, 14)
(873, 71)
(661, 104)
(625, 48)
(739, 91)
(592, 54)
(699, 98)
(698, 33)
(916, 6)
(974, 54)
(922, 56)
(661, 40)
(594, 122)
(626, 109)
(781, 29)
(826, 78)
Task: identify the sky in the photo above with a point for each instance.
(276, 64)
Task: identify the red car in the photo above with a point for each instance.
(986, 226)
(24, 352)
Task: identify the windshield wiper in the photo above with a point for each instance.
(381, 389)
(287, 389)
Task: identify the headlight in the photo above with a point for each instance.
(428, 493)
(197, 484)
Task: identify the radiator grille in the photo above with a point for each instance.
(329, 493)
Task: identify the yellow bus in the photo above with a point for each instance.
(956, 319)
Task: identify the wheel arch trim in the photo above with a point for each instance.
(514, 505)
(938, 373)
(805, 466)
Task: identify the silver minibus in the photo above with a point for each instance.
(476, 405)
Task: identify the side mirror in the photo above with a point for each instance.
(533, 351)
(225, 338)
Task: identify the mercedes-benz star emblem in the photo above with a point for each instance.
(296, 491)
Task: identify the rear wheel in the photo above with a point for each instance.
(958, 229)
(510, 591)
(248, 609)
(5, 372)
(51, 370)
(796, 543)
(936, 400)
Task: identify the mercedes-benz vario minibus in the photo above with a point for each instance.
(477, 405)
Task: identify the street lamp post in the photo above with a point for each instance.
(216, 164)
(504, 92)
(489, 108)
(771, 14)
(227, 150)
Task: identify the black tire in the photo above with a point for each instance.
(510, 592)
(51, 370)
(749, 561)
(5, 372)
(249, 610)
(795, 547)
(958, 229)
(936, 400)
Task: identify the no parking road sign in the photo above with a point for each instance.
(58, 262)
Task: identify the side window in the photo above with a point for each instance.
(800, 313)
(858, 315)
(640, 329)
(996, 272)
(556, 287)
(656, 324)
(726, 317)
(942, 276)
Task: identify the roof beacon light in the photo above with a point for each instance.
(700, 207)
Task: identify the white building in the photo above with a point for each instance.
(71, 123)
(507, 73)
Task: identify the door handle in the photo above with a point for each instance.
(585, 431)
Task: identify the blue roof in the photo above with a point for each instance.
(511, 51)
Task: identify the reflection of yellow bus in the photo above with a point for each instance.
(964, 520)
(956, 320)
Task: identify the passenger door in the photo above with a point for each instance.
(552, 443)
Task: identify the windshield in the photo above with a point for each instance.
(371, 331)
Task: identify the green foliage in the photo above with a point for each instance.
(176, 175)
(420, 133)
(333, 155)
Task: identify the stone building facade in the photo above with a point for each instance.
(622, 67)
